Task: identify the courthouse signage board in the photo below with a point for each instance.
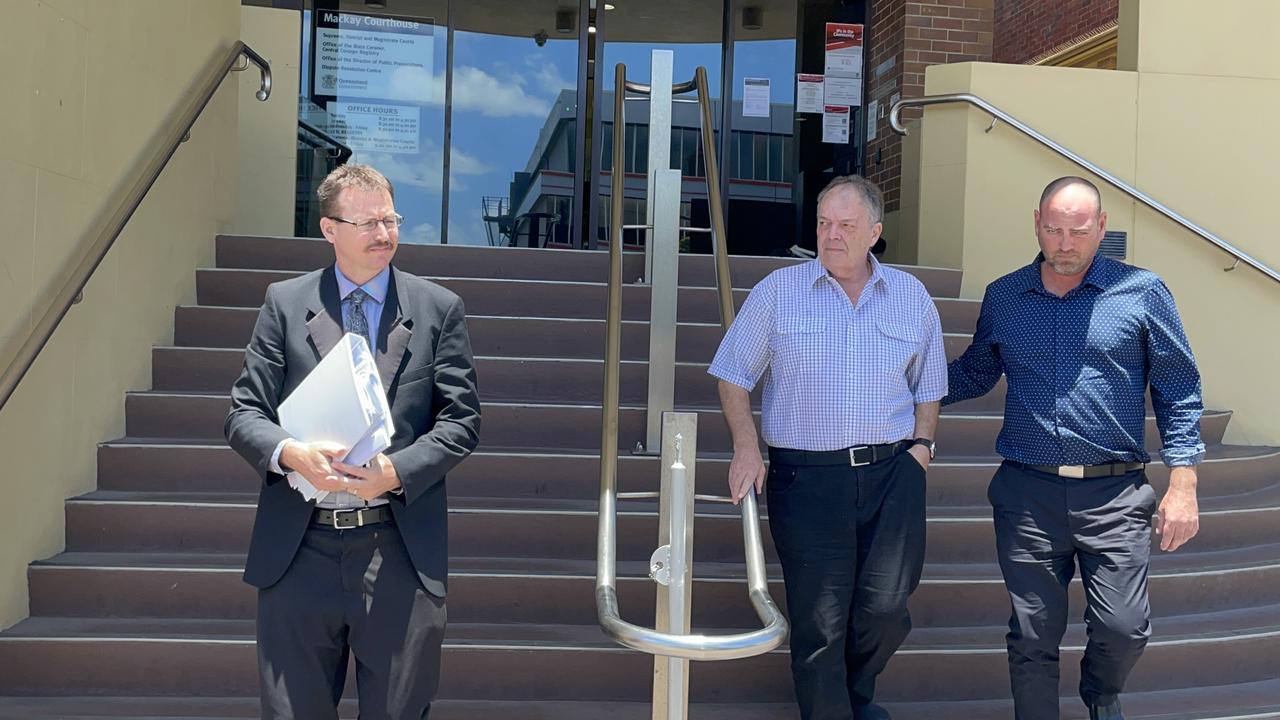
(372, 57)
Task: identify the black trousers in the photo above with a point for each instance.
(349, 592)
(1044, 525)
(851, 542)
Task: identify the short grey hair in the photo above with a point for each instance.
(870, 194)
(360, 177)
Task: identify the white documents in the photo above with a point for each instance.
(340, 401)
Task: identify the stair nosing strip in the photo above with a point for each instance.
(945, 519)
(995, 460)
(40, 566)
(993, 650)
(627, 406)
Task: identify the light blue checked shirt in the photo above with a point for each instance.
(836, 375)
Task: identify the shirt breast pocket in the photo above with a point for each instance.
(898, 343)
(797, 342)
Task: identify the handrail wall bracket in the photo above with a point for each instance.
(895, 122)
(103, 236)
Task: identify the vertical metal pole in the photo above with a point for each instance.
(664, 291)
(729, 30)
(662, 63)
(581, 160)
(675, 530)
(448, 128)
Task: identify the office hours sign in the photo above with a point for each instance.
(372, 74)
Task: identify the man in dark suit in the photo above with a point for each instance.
(361, 571)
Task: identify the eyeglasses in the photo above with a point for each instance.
(367, 226)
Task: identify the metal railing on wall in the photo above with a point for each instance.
(998, 115)
(101, 239)
(676, 435)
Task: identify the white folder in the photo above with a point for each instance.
(340, 401)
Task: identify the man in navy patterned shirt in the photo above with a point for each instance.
(853, 365)
(1080, 338)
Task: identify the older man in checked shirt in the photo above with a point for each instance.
(1080, 337)
(853, 365)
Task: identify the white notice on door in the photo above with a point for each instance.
(755, 97)
(835, 124)
(808, 93)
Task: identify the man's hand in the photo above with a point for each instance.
(314, 462)
(368, 483)
(1178, 519)
(746, 469)
(921, 454)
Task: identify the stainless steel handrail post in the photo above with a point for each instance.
(661, 68)
(92, 254)
(895, 122)
(662, 252)
(672, 563)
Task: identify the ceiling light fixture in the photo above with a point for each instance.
(376, 4)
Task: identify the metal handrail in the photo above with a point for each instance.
(694, 646)
(344, 152)
(92, 254)
(997, 114)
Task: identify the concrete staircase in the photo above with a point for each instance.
(145, 614)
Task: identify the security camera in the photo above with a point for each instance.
(540, 37)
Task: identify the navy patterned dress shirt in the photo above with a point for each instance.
(1078, 367)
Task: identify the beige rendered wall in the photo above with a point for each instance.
(87, 85)
(1198, 137)
(269, 131)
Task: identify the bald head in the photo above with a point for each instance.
(1074, 191)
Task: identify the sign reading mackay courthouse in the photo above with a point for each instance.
(372, 74)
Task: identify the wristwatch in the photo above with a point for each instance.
(933, 447)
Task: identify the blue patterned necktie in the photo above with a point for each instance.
(355, 320)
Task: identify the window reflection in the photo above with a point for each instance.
(390, 111)
(761, 216)
(511, 169)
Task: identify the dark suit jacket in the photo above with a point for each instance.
(423, 355)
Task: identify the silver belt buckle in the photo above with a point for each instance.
(1071, 471)
(357, 512)
(853, 462)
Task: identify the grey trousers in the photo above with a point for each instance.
(1045, 524)
(349, 593)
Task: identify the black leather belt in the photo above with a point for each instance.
(854, 456)
(351, 518)
(1081, 472)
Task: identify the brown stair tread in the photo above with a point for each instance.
(1214, 453)
(983, 415)
(1184, 629)
(1264, 500)
(1255, 701)
(1208, 562)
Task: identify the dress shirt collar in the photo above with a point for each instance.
(376, 287)
(816, 271)
(1101, 274)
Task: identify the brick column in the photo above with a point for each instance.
(906, 38)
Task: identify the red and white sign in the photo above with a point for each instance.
(844, 49)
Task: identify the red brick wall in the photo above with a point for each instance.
(915, 34)
(1026, 29)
